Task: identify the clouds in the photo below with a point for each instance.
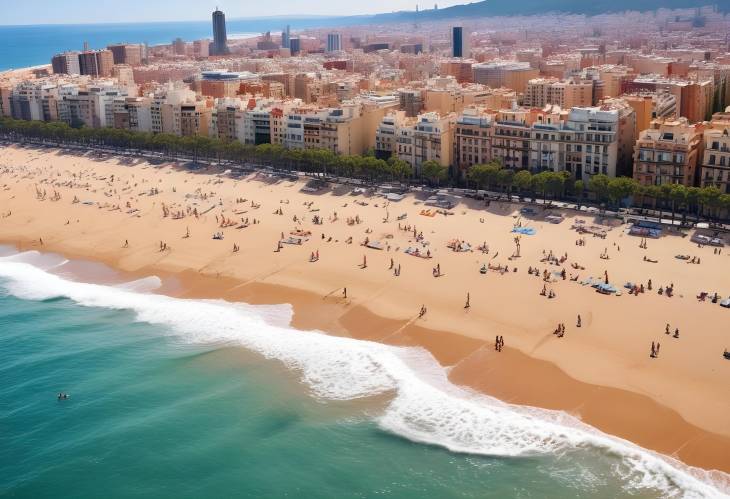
(96, 11)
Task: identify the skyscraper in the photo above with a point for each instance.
(295, 45)
(459, 42)
(285, 37)
(334, 42)
(220, 41)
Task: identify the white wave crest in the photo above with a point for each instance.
(45, 261)
(425, 407)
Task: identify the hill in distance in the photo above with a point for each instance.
(495, 8)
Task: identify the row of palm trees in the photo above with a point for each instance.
(706, 201)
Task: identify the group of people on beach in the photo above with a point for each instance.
(499, 343)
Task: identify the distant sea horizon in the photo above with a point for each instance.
(34, 45)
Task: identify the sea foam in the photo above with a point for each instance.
(424, 407)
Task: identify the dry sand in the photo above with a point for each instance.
(677, 404)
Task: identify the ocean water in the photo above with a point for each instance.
(32, 45)
(201, 398)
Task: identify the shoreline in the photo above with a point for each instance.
(549, 388)
(630, 414)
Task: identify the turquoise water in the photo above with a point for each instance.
(156, 410)
(33, 45)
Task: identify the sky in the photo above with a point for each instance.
(101, 11)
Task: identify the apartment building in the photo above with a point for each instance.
(510, 74)
(426, 138)
(66, 63)
(126, 53)
(195, 118)
(28, 100)
(411, 101)
(694, 99)
(133, 113)
(226, 120)
(566, 94)
(511, 138)
(96, 63)
(385, 134)
(668, 153)
(473, 132)
(715, 164)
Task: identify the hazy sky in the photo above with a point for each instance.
(93, 11)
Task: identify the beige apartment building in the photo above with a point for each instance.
(668, 152)
(566, 94)
(510, 74)
(643, 106)
(715, 169)
(427, 138)
(473, 132)
(195, 118)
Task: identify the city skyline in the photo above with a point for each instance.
(138, 11)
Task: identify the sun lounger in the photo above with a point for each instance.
(292, 240)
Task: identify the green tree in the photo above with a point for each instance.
(620, 188)
(523, 180)
(678, 196)
(506, 178)
(477, 175)
(598, 184)
(434, 172)
(579, 187)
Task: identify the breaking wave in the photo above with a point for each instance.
(424, 407)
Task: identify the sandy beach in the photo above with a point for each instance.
(210, 235)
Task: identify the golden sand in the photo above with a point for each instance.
(677, 404)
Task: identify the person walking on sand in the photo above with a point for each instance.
(666, 329)
(578, 324)
(467, 305)
(676, 333)
(344, 292)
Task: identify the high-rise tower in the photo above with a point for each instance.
(459, 42)
(220, 41)
(285, 37)
(334, 42)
